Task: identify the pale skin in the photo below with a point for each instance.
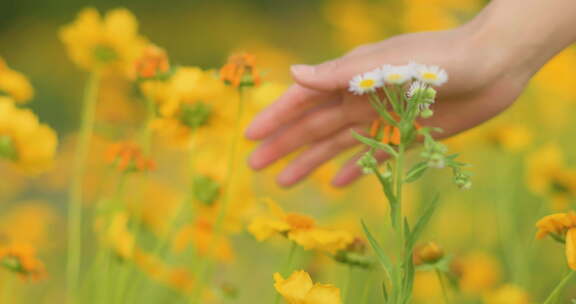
(489, 60)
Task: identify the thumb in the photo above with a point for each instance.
(328, 76)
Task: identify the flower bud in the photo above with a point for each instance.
(426, 113)
(367, 162)
(462, 181)
(429, 253)
(206, 190)
(153, 64)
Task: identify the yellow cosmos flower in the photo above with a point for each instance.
(507, 294)
(300, 229)
(201, 235)
(21, 259)
(547, 175)
(115, 234)
(14, 84)
(299, 289)
(23, 140)
(510, 137)
(191, 99)
(477, 272)
(111, 42)
(561, 227)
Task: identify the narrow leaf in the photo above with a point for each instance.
(374, 143)
(382, 258)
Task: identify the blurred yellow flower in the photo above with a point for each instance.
(510, 137)
(298, 228)
(201, 236)
(21, 259)
(23, 140)
(115, 234)
(191, 99)
(14, 84)
(175, 277)
(507, 294)
(561, 227)
(110, 43)
(29, 222)
(547, 175)
(299, 289)
(478, 272)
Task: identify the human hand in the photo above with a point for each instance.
(319, 112)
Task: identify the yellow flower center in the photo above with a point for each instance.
(429, 76)
(394, 77)
(195, 115)
(297, 221)
(367, 83)
(104, 54)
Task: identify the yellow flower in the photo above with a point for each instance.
(21, 259)
(300, 229)
(507, 294)
(547, 175)
(116, 235)
(23, 140)
(477, 272)
(14, 84)
(510, 137)
(174, 277)
(299, 289)
(191, 99)
(201, 235)
(561, 227)
(111, 42)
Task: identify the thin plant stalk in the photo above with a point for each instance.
(205, 264)
(553, 297)
(75, 195)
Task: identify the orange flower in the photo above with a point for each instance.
(128, 156)
(21, 259)
(153, 63)
(177, 278)
(389, 134)
(240, 70)
(561, 227)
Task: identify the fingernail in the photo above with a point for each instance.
(302, 69)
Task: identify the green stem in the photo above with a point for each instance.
(287, 266)
(443, 286)
(75, 195)
(205, 264)
(553, 297)
(146, 131)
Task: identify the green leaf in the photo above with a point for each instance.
(422, 222)
(416, 172)
(374, 143)
(382, 258)
(384, 291)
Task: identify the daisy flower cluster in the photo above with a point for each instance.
(424, 75)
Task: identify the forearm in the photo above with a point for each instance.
(525, 34)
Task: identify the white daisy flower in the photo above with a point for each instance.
(417, 87)
(431, 74)
(392, 74)
(365, 83)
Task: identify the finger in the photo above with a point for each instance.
(291, 105)
(309, 128)
(318, 154)
(332, 75)
(351, 171)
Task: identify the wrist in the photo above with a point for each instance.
(516, 37)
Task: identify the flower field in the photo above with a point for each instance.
(123, 161)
